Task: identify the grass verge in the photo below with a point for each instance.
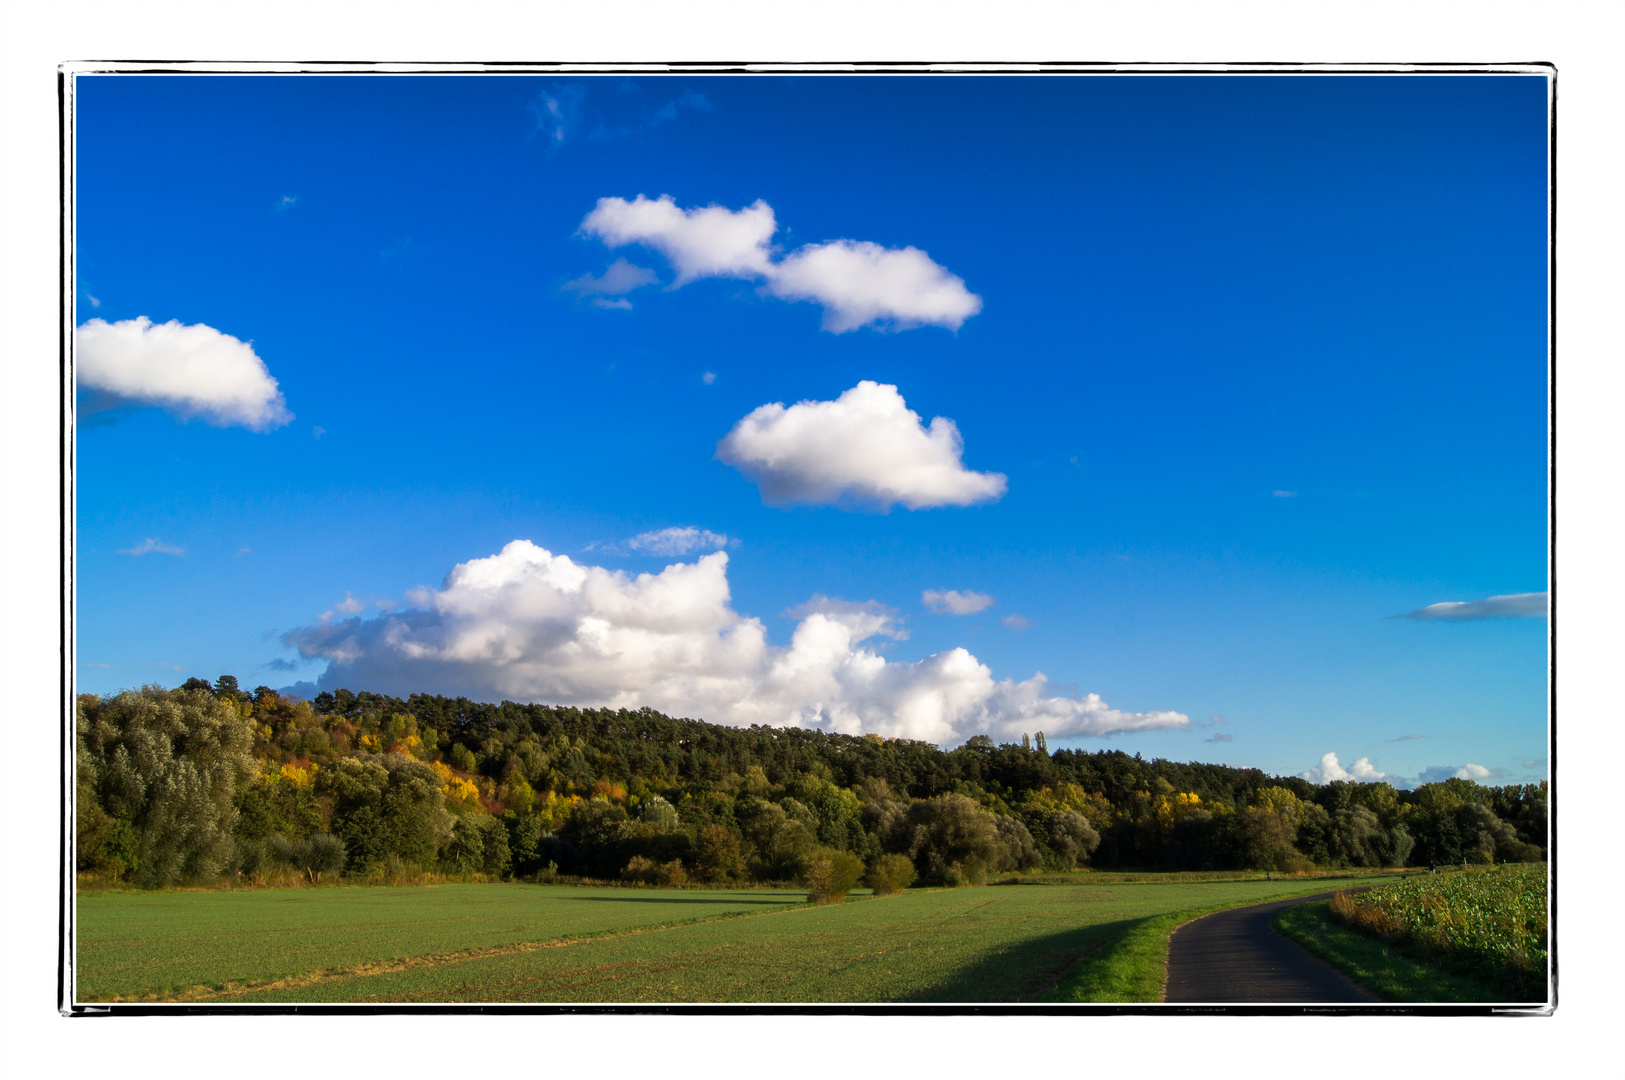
(1382, 969)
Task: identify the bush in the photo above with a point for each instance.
(890, 874)
(641, 870)
(828, 874)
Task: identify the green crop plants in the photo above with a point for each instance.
(1385, 970)
(1489, 925)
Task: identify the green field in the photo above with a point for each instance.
(534, 943)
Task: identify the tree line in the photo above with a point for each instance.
(208, 779)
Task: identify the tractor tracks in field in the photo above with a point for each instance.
(236, 988)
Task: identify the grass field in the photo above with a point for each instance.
(532, 943)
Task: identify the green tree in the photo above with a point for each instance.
(952, 839)
(717, 854)
(1071, 838)
(168, 762)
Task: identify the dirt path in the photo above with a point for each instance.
(1236, 957)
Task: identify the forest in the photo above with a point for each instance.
(209, 780)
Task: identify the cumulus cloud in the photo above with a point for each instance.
(528, 625)
(680, 540)
(1362, 771)
(857, 282)
(1016, 622)
(190, 371)
(621, 277)
(1513, 605)
(954, 602)
(1435, 774)
(152, 546)
(866, 450)
(707, 241)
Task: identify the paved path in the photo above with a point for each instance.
(1236, 957)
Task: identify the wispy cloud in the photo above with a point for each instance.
(1016, 622)
(621, 277)
(568, 113)
(679, 540)
(354, 605)
(95, 665)
(1405, 738)
(152, 546)
(954, 602)
(1280, 494)
(675, 540)
(287, 202)
(1220, 737)
(93, 301)
(708, 378)
(1514, 605)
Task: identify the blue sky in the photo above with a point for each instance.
(1261, 361)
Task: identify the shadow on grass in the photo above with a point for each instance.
(1024, 971)
(669, 899)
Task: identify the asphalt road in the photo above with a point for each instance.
(1236, 957)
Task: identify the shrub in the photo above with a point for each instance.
(890, 874)
(828, 874)
(641, 870)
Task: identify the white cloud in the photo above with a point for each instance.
(191, 371)
(1361, 772)
(1220, 737)
(954, 602)
(1435, 774)
(621, 277)
(866, 449)
(1285, 494)
(708, 241)
(528, 625)
(857, 282)
(1017, 622)
(151, 546)
(620, 303)
(1528, 604)
(708, 378)
(681, 540)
